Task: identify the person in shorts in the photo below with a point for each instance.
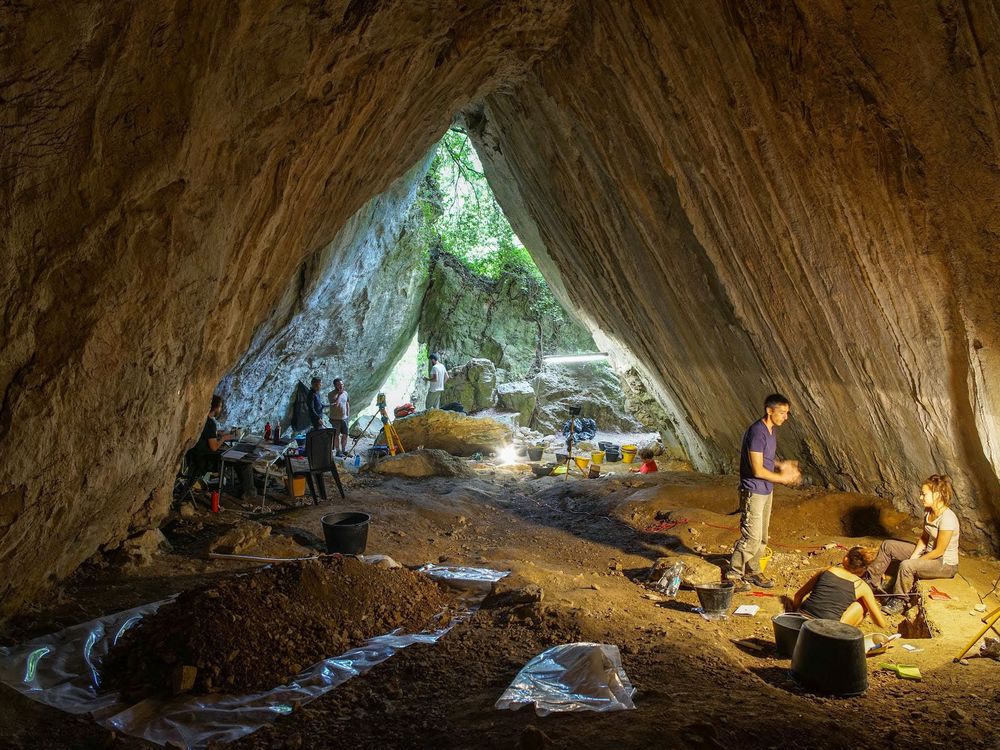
(339, 413)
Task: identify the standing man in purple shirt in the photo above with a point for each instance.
(759, 469)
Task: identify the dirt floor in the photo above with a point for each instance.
(585, 545)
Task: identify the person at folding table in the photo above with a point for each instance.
(206, 452)
(759, 470)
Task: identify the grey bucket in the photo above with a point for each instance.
(715, 598)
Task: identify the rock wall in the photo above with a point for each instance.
(801, 197)
(351, 312)
(508, 321)
(165, 170)
(746, 195)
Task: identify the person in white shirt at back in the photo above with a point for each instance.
(437, 379)
(935, 555)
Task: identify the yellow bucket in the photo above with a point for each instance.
(628, 453)
(582, 461)
(597, 457)
(295, 487)
(765, 559)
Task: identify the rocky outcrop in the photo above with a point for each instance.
(770, 196)
(511, 321)
(744, 196)
(519, 397)
(458, 434)
(474, 385)
(350, 314)
(593, 387)
(166, 172)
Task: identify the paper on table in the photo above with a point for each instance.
(234, 455)
(748, 610)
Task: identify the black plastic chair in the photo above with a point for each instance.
(319, 457)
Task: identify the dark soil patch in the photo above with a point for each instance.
(254, 632)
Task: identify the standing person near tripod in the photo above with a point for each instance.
(340, 413)
(759, 469)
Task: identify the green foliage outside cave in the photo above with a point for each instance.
(462, 218)
(465, 215)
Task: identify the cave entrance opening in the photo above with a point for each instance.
(489, 313)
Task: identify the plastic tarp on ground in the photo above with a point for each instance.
(571, 677)
(62, 670)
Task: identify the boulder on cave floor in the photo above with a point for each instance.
(141, 548)
(241, 538)
(519, 397)
(474, 385)
(458, 434)
(594, 387)
(426, 462)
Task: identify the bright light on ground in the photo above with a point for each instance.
(568, 359)
(507, 454)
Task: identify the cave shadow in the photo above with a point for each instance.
(864, 521)
(571, 515)
(779, 677)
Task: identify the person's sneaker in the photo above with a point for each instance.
(758, 580)
(893, 607)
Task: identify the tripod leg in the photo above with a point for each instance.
(991, 623)
(363, 432)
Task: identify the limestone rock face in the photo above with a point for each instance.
(458, 434)
(746, 196)
(350, 314)
(474, 385)
(594, 387)
(757, 197)
(505, 321)
(167, 175)
(519, 397)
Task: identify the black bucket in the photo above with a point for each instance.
(786, 632)
(715, 598)
(346, 533)
(535, 454)
(612, 454)
(829, 658)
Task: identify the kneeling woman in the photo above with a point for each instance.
(935, 555)
(838, 593)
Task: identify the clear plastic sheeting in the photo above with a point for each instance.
(62, 670)
(571, 677)
(478, 581)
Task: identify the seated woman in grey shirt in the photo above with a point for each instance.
(935, 554)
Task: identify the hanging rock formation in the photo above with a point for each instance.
(802, 197)
(747, 196)
(350, 314)
(164, 172)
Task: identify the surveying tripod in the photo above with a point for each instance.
(392, 440)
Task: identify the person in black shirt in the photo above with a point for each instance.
(315, 405)
(205, 454)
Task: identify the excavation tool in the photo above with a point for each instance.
(392, 440)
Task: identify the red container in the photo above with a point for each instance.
(267, 431)
(215, 501)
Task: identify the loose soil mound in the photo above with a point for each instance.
(256, 631)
